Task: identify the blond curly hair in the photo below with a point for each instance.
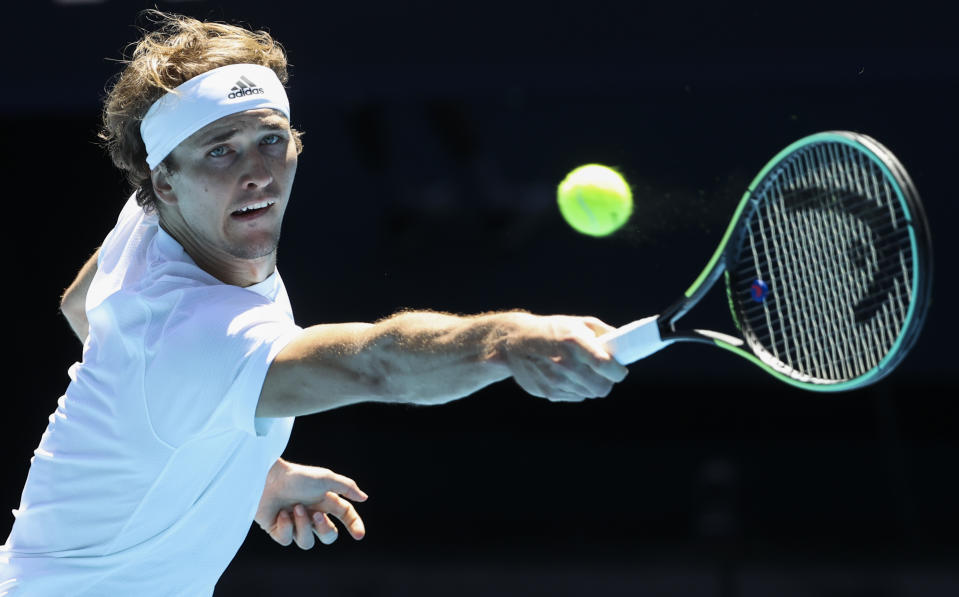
(179, 49)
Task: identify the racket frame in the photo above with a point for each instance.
(638, 340)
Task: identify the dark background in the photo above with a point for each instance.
(436, 134)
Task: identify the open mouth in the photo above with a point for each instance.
(253, 210)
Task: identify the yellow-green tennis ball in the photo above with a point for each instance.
(595, 200)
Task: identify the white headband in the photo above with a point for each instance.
(206, 98)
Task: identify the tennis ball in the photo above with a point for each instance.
(595, 200)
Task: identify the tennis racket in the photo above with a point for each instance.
(827, 264)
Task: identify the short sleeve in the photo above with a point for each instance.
(204, 372)
(130, 216)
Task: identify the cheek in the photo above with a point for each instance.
(202, 204)
(206, 187)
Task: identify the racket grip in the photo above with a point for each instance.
(634, 341)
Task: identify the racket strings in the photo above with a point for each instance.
(826, 362)
(850, 363)
(815, 355)
(894, 266)
(830, 238)
(844, 227)
(813, 327)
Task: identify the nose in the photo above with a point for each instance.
(256, 171)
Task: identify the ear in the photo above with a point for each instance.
(162, 187)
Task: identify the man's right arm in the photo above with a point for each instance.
(74, 299)
(432, 358)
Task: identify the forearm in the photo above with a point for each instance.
(413, 357)
(431, 358)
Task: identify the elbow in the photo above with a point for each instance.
(74, 311)
(71, 306)
(72, 299)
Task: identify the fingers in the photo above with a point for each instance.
(324, 529)
(282, 530)
(585, 377)
(556, 382)
(304, 528)
(599, 327)
(601, 362)
(599, 358)
(345, 512)
(568, 363)
(534, 381)
(346, 487)
(303, 534)
(583, 368)
(589, 351)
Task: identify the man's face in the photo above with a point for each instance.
(226, 197)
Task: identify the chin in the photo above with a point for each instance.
(255, 250)
(254, 253)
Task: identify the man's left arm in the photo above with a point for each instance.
(74, 300)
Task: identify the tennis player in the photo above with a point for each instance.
(167, 441)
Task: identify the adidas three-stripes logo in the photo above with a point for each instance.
(244, 87)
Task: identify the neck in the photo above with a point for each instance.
(220, 264)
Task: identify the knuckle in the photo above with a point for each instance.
(341, 507)
(570, 346)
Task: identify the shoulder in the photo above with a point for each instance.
(216, 311)
(206, 363)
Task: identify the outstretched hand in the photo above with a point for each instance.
(298, 500)
(559, 358)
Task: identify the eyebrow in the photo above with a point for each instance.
(271, 125)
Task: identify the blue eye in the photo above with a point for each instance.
(271, 139)
(218, 152)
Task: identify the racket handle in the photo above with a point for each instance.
(634, 341)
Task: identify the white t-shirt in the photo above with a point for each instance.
(149, 473)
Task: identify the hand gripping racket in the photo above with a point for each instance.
(828, 269)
